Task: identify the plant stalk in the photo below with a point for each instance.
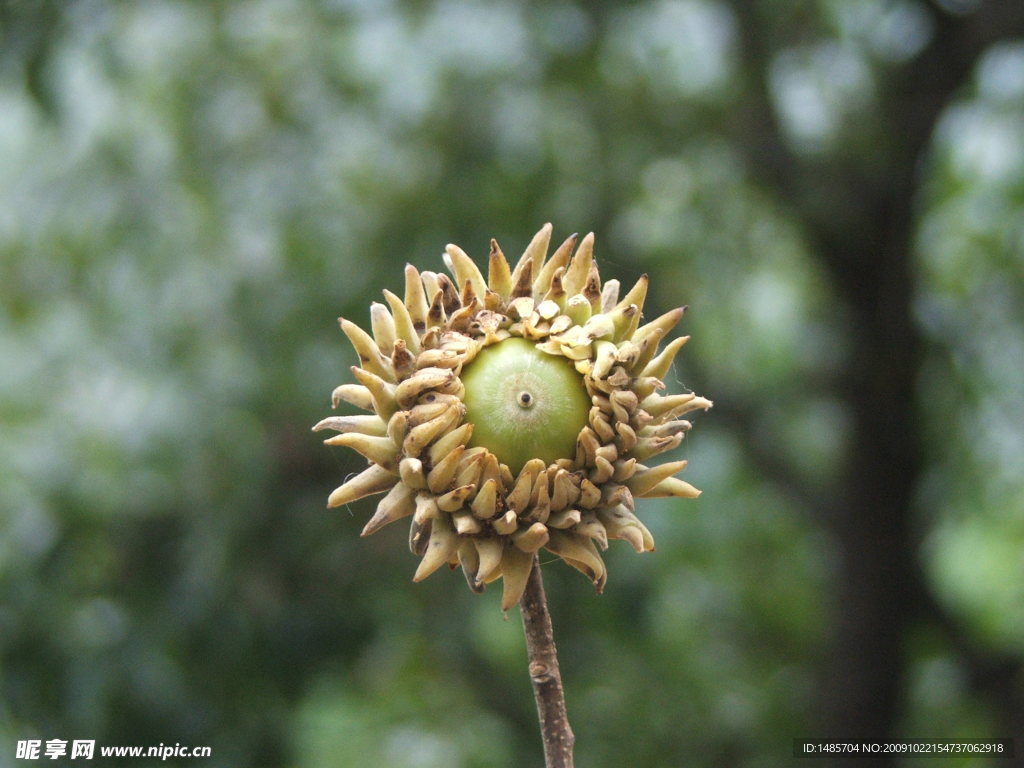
(544, 674)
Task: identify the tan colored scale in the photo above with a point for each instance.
(466, 507)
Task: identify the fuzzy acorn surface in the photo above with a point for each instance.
(513, 413)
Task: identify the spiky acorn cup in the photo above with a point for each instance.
(513, 413)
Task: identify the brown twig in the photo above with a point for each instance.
(547, 680)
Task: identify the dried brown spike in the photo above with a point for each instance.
(436, 316)
(490, 550)
(579, 268)
(449, 293)
(354, 394)
(370, 357)
(403, 322)
(415, 299)
(398, 503)
(559, 259)
(463, 268)
(442, 545)
(646, 478)
(531, 539)
(485, 504)
(382, 393)
(367, 425)
(372, 480)
(455, 499)
(515, 570)
(440, 478)
(378, 450)
(384, 330)
(403, 361)
(523, 280)
(499, 277)
(580, 553)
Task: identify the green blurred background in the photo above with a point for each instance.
(192, 192)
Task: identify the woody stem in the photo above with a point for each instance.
(544, 674)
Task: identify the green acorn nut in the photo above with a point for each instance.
(512, 413)
(524, 403)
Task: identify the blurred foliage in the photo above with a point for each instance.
(191, 192)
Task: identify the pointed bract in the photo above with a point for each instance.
(372, 480)
(398, 503)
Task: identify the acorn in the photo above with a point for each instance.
(513, 413)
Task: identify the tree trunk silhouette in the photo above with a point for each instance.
(859, 217)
